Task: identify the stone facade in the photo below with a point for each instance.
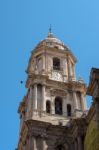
(51, 113)
(92, 131)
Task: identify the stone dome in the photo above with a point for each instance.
(52, 41)
(51, 38)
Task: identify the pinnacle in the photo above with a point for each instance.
(50, 34)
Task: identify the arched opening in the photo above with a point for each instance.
(39, 90)
(68, 110)
(48, 106)
(56, 63)
(58, 105)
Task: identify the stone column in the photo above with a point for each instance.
(30, 100)
(67, 102)
(66, 67)
(34, 143)
(64, 107)
(43, 62)
(65, 70)
(80, 146)
(52, 106)
(75, 100)
(69, 68)
(73, 71)
(35, 96)
(44, 144)
(29, 103)
(83, 102)
(43, 99)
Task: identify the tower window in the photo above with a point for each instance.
(58, 105)
(68, 110)
(48, 106)
(56, 63)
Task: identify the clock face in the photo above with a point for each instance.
(57, 76)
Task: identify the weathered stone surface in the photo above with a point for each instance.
(53, 114)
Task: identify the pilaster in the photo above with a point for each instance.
(43, 98)
(35, 96)
(83, 102)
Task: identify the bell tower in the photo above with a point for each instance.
(53, 97)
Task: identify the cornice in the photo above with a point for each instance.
(44, 79)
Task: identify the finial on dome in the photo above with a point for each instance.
(50, 34)
(50, 29)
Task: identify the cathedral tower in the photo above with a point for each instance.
(54, 96)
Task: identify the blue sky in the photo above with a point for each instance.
(23, 23)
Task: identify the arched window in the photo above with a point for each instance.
(48, 106)
(56, 63)
(39, 90)
(68, 110)
(58, 105)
